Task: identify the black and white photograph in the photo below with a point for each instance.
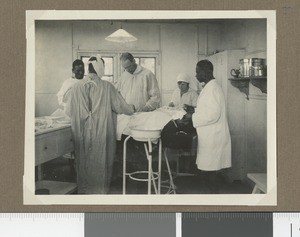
(150, 108)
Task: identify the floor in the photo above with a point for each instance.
(60, 169)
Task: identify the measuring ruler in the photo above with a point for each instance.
(150, 224)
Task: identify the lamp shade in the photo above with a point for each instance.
(121, 36)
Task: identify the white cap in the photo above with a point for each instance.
(183, 77)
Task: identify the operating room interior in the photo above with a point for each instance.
(167, 48)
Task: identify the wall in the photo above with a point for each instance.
(179, 54)
(53, 60)
(247, 34)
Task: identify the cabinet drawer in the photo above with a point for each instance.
(45, 149)
(65, 143)
(53, 144)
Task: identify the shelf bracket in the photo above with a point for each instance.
(260, 83)
(242, 84)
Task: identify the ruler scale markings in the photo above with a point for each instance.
(41, 224)
(286, 224)
(211, 224)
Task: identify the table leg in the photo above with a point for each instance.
(124, 164)
(152, 173)
(169, 171)
(159, 165)
(149, 166)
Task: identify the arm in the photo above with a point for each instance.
(172, 102)
(117, 84)
(119, 105)
(69, 105)
(153, 92)
(60, 95)
(208, 109)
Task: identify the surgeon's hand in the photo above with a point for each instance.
(144, 109)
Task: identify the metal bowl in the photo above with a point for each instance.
(143, 134)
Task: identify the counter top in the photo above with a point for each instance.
(47, 124)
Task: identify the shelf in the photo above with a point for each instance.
(242, 83)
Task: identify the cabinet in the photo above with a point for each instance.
(50, 144)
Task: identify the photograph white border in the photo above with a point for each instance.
(29, 197)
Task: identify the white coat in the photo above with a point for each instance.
(210, 121)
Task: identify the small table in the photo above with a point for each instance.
(260, 180)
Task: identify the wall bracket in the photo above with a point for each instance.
(242, 83)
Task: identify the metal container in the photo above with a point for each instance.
(258, 65)
(252, 67)
(143, 134)
(245, 65)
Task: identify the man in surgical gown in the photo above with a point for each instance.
(138, 85)
(210, 121)
(93, 109)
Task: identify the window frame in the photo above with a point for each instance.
(117, 67)
(103, 54)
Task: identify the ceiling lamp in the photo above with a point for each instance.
(121, 36)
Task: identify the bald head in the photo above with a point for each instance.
(205, 65)
(128, 62)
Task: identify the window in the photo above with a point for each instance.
(147, 63)
(113, 67)
(108, 69)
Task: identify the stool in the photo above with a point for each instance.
(151, 174)
(260, 180)
(184, 152)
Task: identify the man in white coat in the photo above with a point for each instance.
(210, 121)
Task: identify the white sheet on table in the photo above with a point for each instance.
(175, 113)
(147, 120)
(122, 125)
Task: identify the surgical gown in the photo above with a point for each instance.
(140, 89)
(93, 109)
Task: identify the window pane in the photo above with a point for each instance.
(148, 63)
(85, 61)
(109, 66)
